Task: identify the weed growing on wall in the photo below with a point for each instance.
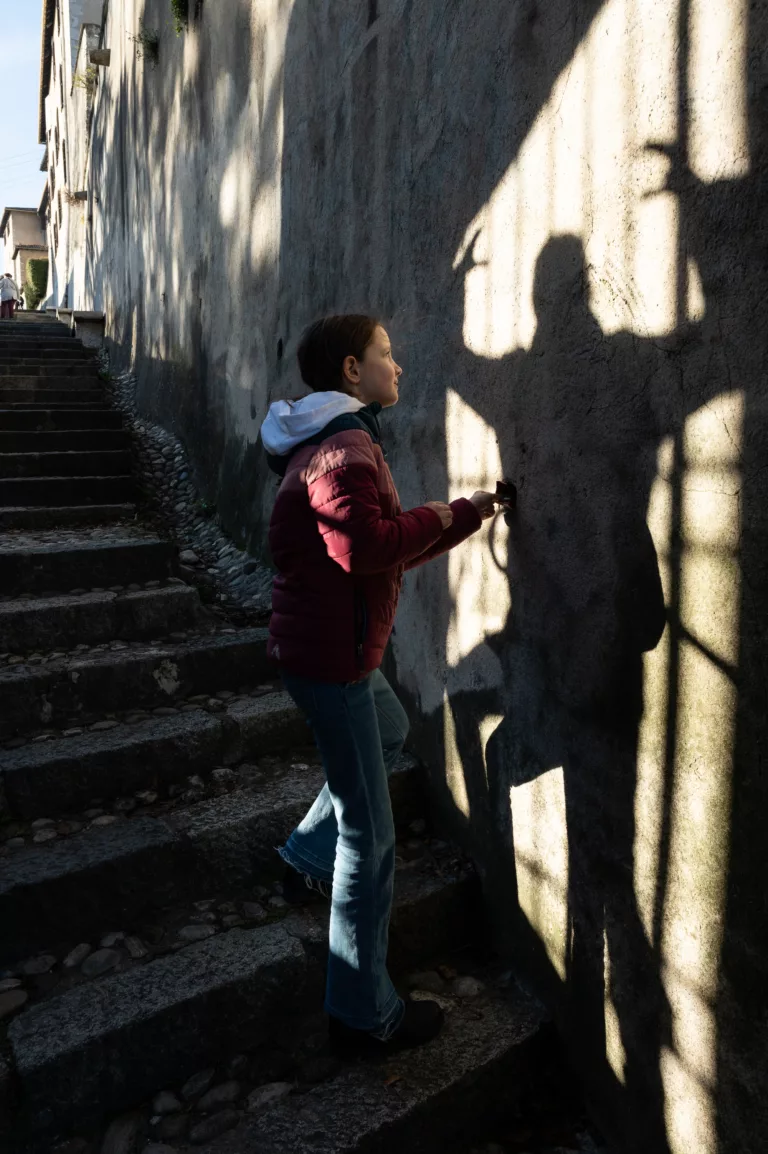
(87, 79)
(180, 11)
(147, 43)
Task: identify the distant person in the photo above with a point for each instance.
(9, 294)
(341, 543)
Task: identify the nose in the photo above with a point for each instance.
(398, 370)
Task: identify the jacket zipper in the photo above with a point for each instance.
(361, 628)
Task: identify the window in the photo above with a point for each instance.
(61, 85)
(64, 160)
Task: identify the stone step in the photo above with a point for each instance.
(78, 380)
(64, 441)
(91, 490)
(70, 366)
(32, 517)
(40, 348)
(34, 334)
(45, 624)
(98, 463)
(64, 398)
(110, 1043)
(449, 1095)
(42, 420)
(77, 888)
(72, 562)
(81, 688)
(63, 775)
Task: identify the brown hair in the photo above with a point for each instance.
(325, 345)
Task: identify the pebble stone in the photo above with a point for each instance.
(165, 1103)
(44, 835)
(43, 823)
(195, 933)
(123, 1134)
(100, 962)
(11, 1001)
(102, 726)
(136, 947)
(197, 1084)
(9, 984)
(237, 1067)
(267, 1095)
(105, 819)
(174, 1126)
(254, 911)
(223, 1095)
(15, 842)
(429, 981)
(40, 965)
(109, 941)
(77, 956)
(467, 987)
(213, 1126)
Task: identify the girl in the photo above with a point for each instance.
(340, 543)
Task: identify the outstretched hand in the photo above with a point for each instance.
(485, 503)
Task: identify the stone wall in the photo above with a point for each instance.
(559, 210)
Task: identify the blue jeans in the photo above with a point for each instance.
(348, 838)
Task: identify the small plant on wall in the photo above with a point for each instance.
(180, 12)
(87, 79)
(147, 43)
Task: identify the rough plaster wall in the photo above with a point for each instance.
(186, 162)
(574, 311)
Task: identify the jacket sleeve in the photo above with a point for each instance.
(466, 521)
(347, 506)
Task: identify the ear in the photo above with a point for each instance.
(350, 370)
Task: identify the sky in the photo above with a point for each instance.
(21, 182)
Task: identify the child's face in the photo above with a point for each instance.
(375, 377)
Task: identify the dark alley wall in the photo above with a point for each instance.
(559, 211)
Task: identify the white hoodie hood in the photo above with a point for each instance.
(288, 423)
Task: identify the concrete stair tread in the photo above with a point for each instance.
(52, 541)
(107, 1043)
(41, 400)
(45, 624)
(46, 491)
(68, 462)
(418, 1102)
(62, 775)
(62, 440)
(62, 419)
(140, 652)
(71, 889)
(142, 675)
(15, 517)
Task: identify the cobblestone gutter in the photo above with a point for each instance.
(209, 558)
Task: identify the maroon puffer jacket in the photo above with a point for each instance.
(340, 543)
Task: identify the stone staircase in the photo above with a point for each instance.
(156, 990)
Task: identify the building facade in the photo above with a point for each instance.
(66, 92)
(23, 233)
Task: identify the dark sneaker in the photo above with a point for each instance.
(422, 1021)
(302, 889)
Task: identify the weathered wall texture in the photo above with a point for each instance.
(560, 211)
